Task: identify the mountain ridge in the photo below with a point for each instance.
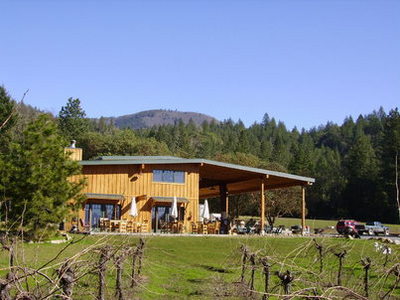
(156, 117)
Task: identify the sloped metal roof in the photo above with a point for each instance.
(170, 199)
(105, 196)
(158, 160)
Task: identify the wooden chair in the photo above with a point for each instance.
(194, 227)
(199, 227)
(144, 226)
(122, 226)
(174, 227)
(204, 229)
(181, 227)
(170, 227)
(115, 225)
(211, 228)
(217, 227)
(86, 227)
(130, 226)
(164, 227)
(106, 225)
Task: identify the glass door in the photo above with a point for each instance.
(160, 217)
(95, 211)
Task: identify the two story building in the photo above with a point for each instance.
(113, 182)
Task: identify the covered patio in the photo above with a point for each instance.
(218, 179)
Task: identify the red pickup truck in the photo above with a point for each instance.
(347, 227)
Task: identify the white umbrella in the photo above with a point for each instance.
(206, 210)
(174, 208)
(133, 212)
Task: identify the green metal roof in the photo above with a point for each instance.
(104, 196)
(170, 199)
(136, 157)
(136, 160)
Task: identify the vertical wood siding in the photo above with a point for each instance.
(133, 181)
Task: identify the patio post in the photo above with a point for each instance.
(262, 223)
(303, 209)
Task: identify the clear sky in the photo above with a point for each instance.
(302, 62)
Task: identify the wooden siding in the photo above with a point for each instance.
(137, 181)
(75, 153)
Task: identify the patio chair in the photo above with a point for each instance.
(204, 228)
(217, 227)
(268, 229)
(181, 227)
(129, 226)
(164, 228)
(86, 227)
(199, 227)
(114, 225)
(144, 226)
(194, 227)
(211, 228)
(122, 226)
(106, 225)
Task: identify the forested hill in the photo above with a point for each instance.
(150, 118)
(354, 163)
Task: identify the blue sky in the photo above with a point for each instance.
(302, 62)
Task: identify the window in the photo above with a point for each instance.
(95, 211)
(169, 176)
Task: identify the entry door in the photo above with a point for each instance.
(160, 216)
(95, 211)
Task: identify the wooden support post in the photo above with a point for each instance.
(227, 204)
(303, 209)
(262, 223)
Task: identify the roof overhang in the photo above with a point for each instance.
(169, 199)
(115, 197)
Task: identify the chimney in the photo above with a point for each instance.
(74, 153)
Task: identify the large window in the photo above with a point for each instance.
(169, 176)
(95, 211)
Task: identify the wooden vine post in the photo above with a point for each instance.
(320, 249)
(66, 275)
(253, 270)
(119, 262)
(286, 280)
(102, 268)
(340, 255)
(266, 266)
(366, 262)
(244, 260)
(137, 255)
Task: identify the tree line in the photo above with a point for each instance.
(354, 163)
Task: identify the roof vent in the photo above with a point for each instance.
(73, 144)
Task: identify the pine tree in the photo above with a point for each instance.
(390, 168)
(72, 120)
(39, 189)
(8, 116)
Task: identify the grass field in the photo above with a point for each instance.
(202, 267)
(317, 223)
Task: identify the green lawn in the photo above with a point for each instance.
(210, 267)
(317, 223)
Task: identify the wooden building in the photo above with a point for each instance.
(153, 182)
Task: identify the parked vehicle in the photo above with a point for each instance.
(347, 227)
(372, 228)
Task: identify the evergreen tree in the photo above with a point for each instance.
(390, 163)
(72, 120)
(362, 167)
(39, 188)
(8, 116)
